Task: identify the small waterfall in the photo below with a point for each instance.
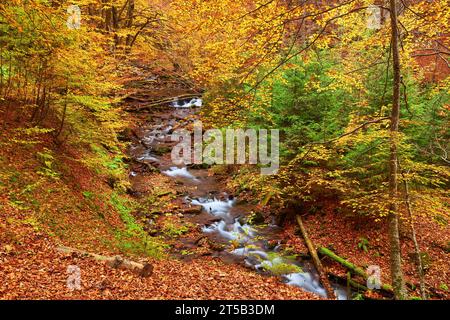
(175, 172)
(257, 255)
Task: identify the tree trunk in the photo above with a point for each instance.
(355, 269)
(423, 293)
(129, 24)
(107, 15)
(63, 118)
(320, 269)
(144, 270)
(394, 238)
(1, 70)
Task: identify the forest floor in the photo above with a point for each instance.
(344, 234)
(38, 215)
(34, 269)
(40, 212)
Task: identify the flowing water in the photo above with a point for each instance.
(247, 242)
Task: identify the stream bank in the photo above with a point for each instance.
(217, 221)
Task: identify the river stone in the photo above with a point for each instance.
(161, 150)
(257, 217)
(192, 210)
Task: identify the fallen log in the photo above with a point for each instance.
(420, 270)
(320, 269)
(387, 289)
(151, 165)
(156, 103)
(342, 261)
(357, 286)
(348, 281)
(117, 262)
(357, 270)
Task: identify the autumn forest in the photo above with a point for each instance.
(224, 150)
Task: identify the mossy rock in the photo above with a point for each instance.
(159, 151)
(216, 246)
(198, 166)
(125, 135)
(256, 217)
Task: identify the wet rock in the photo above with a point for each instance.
(209, 243)
(202, 241)
(134, 193)
(280, 219)
(165, 193)
(242, 220)
(240, 201)
(161, 150)
(215, 246)
(145, 166)
(192, 210)
(256, 217)
(179, 116)
(155, 212)
(126, 160)
(271, 244)
(111, 181)
(146, 144)
(126, 135)
(205, 219)
(198, 166)
(153, 232)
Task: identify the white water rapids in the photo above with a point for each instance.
(255, 253)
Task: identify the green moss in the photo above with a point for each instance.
(281, 268)
(172, 230)
(133, 239)
(110, 164)
(88, 194)
(278, 265)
